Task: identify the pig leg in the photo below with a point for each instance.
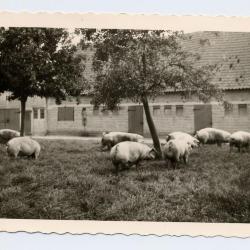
(166, 162)
(230, 148)
(185, 158)
(137, 164)
(36, 155)
(128, 165)
(116, 165)
(173, 163)
(109, 145)
(12, 154)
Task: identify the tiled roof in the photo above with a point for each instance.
(230, 50)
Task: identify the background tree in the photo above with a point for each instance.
(140, 65)
(39, 62)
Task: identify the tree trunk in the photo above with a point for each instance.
(47, 115)
(152, 128)
(23, 109)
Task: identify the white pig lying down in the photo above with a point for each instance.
(175, 150)
(109, 139)
(212, 136)
(183, 136)
(126, 154)
(23, 146)
(240, 139)
(8, 134)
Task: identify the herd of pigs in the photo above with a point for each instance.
(128, 149)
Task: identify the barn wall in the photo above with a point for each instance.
(167, 121)
(233, 121)
(96, 122)
(38, 126)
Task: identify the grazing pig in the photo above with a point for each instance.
(212, 136)
(175, 150)
(183, 136)
(239, 139)
(23, 146)
(109, 139)
(8, 134)
(126, 154)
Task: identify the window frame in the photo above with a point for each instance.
(64, 115)
(167, 107)
(240, 105)
(228, 111)
(156, 108)
(35, 113)
(42, 111)
(179, 107)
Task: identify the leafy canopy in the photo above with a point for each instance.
(41, 62)
(134, 64)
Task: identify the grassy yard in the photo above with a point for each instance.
(75, 180)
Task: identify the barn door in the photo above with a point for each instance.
(202, 116)
(2, 118)
(27, 122)
(9, 118)
(135, 119)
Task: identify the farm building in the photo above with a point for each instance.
(230, 50)
(35, 117)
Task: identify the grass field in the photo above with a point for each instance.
(75, 180)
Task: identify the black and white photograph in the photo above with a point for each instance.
(124, 125)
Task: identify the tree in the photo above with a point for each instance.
(140, 65)
(39, 62)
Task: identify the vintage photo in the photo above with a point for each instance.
(124, 125)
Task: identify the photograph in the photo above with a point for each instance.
(112, 124)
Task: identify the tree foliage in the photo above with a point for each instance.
(135, 64)
(39, 62)
(140, 65)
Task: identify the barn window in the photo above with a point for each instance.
(179, 110)
(35, 113)
(167, 109)
(228, 110)
(156, 110)
(95, 111)
(66, 114)
(42, 113)
(242, 108)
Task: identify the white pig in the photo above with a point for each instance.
(183, 136)
(240, 139)
(212, 136)
(8, 134)
(175, 150)
(24, 146)
(109, 139)
(126, 154)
